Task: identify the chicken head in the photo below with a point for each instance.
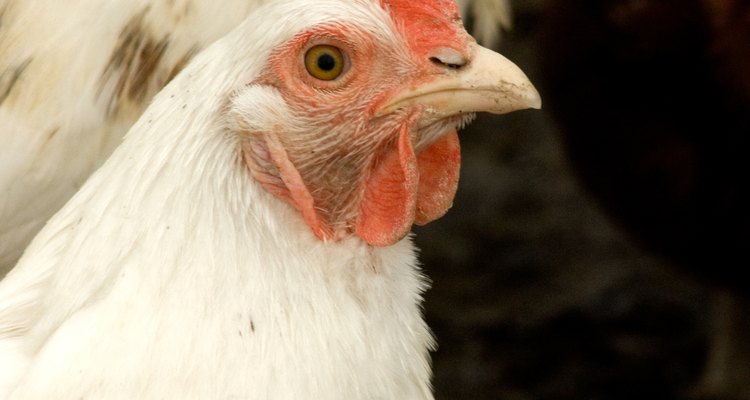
(358, 125)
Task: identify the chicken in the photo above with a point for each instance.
(74, 77)
(249, 237)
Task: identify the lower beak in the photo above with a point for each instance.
(488, 83)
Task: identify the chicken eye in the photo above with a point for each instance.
(324, 62)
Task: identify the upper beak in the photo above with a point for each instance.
(488, 82)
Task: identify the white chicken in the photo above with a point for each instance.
(248, 239)
(74, 76)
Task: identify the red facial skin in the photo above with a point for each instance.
(429, 25)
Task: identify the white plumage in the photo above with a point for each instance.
(75, 75)
(173, 273)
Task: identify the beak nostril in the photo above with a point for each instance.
(448, 58)
(441, 63)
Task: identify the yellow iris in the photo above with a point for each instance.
(324, 62)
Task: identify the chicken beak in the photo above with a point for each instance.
(489, 82)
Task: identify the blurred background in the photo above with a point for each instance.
(595, 249)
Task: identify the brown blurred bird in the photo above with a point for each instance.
(653, 99)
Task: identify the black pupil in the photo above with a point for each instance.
(326, 62)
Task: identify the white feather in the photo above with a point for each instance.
(171, 274)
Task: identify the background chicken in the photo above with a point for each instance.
(248, 237)
(73, 79)
(668, 165)
(75, 76)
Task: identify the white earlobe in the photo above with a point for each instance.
(258, 108)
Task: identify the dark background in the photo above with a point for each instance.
(592, 251)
